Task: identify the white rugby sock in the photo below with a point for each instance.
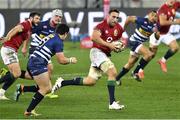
(2, 91)
(163, 59)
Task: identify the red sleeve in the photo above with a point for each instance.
(26, 26)
(99, 27)
(162, 10)
(177, 5)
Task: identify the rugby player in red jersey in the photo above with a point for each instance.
(14, 39)
(103, 36)
(166, 18)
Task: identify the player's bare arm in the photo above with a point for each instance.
(24, 47)
(64, 60)
(13, 31)
(96, 38)
(130, 19)
(163, 20)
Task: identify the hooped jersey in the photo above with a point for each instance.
(144, 28)
(43, 29)
(48, 47)
(108, 34)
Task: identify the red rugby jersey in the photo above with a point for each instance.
(108, 34)
(170, 13)
(16, 41)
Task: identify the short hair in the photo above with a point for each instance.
(32, 14)
(154, 11)
(113, 10)
(62, 29)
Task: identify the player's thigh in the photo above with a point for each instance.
(9, 55)
(174, 45)
(145, 51)
(108, 68)
(94, 73)
(97, 57)
(15, 69)
(131, 61)
(167, 39)
(43, 81)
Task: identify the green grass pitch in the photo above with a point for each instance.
(157, 97)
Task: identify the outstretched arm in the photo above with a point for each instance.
(64, 60)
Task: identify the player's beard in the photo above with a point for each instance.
(34, 24)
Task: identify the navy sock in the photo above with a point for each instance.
(8, 80)
(23, 72)
(33, 88)
(141, 65)
(35, 101)
(122, 73)
(169, 54)
(111, 90)
(75, 81)
(5, 77)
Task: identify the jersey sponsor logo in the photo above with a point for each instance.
(109, 39)
(115, 32)
(45, 26)
(51, 31)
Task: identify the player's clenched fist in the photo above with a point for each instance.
(72, 60)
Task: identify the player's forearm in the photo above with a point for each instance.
(25, 44)
(101, 42)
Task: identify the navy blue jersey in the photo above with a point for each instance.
(42, 30)
(144, 28)
(48, 47)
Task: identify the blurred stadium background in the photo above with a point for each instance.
(27, 4)
(157, 97)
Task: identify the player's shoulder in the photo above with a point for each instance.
(119, 27)
(26, 24)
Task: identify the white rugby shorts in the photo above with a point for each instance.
(9, 55)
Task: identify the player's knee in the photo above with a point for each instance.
(16, 73)
(175, 49)
(149, 56)
(47, 89)
(89, 81)
(129, 65)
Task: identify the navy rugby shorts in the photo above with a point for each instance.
(37, 65)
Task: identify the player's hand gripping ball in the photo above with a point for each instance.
(119, 46)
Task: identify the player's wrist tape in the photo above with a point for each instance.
(70, 60)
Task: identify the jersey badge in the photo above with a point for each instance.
(115, 32)
(106, 32)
